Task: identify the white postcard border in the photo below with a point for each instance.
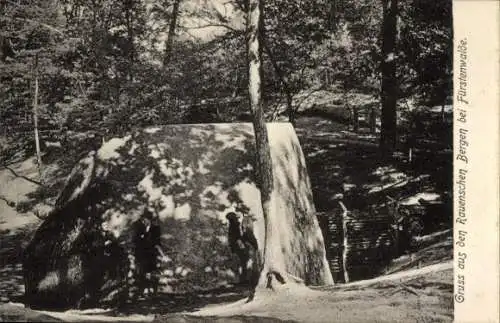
(476, 164)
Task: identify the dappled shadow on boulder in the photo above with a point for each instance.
(111, 189)
(188, 177)
(305, 254)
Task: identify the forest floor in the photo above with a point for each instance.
(415, 288)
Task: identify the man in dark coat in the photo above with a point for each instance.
(243, 243)
(147, 241)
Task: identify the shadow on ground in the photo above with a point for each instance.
(216, 319)
(165, 303)
(336, 156)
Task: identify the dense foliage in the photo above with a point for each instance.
(101, 65)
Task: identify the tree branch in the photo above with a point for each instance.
(214, 25)
(52, 28)
(281, 77)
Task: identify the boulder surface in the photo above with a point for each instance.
(176, 183)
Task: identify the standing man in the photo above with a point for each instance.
(243, 243)
(147, 241)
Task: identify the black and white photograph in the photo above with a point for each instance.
(231, 161)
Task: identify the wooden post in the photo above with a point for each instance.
(392, 204)
(345, 219)
(35, 119)
(355, 119)
(373, 120)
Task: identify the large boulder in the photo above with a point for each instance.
(185, 179)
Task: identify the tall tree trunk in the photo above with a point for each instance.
(35, 118)
(171, 32)
(290, 108)
(332, 15)
(263, 162)
(388, 136)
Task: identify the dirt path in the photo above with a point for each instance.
(422, 295)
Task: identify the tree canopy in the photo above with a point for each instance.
(101, 62)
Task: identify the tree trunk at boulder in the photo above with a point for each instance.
(273, 264)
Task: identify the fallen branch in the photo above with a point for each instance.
(346, 141)
(22, 176)
(433, 237)
(435, 283)
(398, 288)
(410, 289)
(9, 202)
(399, 276)
(296, 279)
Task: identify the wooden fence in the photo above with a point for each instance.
(358, 245)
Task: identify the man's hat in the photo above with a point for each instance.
(231, 215)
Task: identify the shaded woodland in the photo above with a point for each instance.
(366, 84)
(108, 66)
(74, 73)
